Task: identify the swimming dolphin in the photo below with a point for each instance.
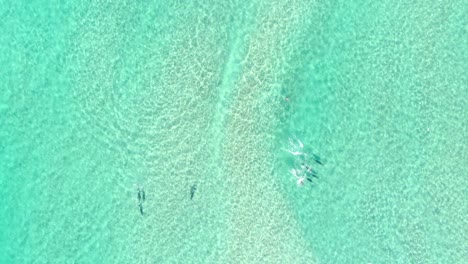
(141, 208)
(139, 195)
(309, 168)
(309, 171)
(316, 158)
(192, 191)
(143, 196)
(309, 179)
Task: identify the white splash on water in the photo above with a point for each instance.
(295, 153)
(300, 143)
(300, 179)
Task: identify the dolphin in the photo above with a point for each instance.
(192, 191)
(309, 168)
(141, 208)
(316, 158)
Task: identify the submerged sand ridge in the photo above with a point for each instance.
(260, 226)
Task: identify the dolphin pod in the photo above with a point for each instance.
(305, 172)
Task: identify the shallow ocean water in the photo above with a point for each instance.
(98, 97)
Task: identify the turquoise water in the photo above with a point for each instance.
(99, 97)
